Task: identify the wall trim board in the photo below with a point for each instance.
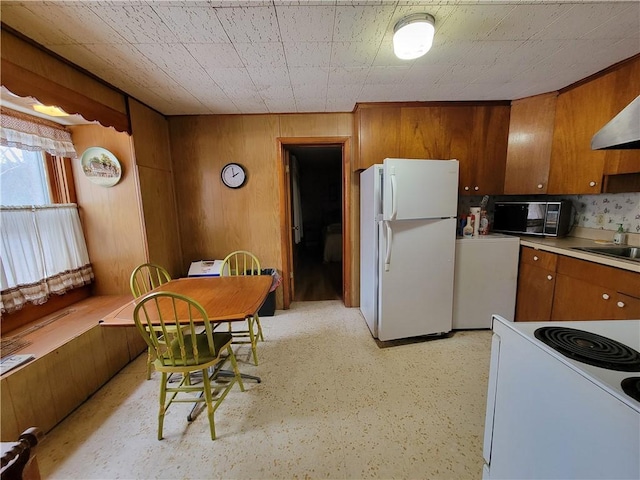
(601, 73)
(479, 103)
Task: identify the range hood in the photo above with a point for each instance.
(622, 132)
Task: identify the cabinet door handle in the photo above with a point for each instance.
(592, 184)
(540, 185)
(476, 188)
(621, 304)
(466, 189)
(549, 277)
(535, 258)
(605, 296)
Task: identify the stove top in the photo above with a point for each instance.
(606, 352)
(591, 348)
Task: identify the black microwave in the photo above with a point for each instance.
(549, 219)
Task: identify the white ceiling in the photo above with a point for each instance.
(260, 56)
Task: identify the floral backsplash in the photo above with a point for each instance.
(608, 210)
(602, 212)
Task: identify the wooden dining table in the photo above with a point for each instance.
(225, 299)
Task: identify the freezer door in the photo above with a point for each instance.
(415, 277)
(419, 188)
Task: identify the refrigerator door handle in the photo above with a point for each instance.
(387, 257)
(394, 188)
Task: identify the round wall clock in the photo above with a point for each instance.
(233, 175)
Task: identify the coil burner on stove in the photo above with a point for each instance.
(631, 386)
(590, 348)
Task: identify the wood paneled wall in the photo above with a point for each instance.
(215, 220)
(111, 217)
(150, 134)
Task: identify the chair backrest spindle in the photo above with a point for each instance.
(239, 263)
(146, 277)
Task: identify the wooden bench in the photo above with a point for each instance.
(74, 357)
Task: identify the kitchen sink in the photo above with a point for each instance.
(626, 253)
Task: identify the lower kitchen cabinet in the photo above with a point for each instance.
(558, 287)
(590, 291)
(536, 284)
(535, 294)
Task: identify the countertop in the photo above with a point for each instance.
(563, 246)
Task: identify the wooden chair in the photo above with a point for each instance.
(145, 278)
(184, 351)
(18, 458)
(239, 263)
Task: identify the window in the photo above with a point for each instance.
(23, 177)
(43, 251)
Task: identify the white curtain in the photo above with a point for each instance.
(34, 134)
(43, 253)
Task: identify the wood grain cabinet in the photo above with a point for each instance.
(487, 151)
(475, 135)
(529, 145)
(581, 111)
(536, 285)
(558, 287)
(378, 131)
(590, 291)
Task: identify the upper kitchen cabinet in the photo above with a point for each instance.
(626, 89)
(474, 134)
(378, 131)
(488, 151)
(422, 133)
(529, 145)
(580, 112)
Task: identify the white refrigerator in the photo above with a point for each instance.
(407, 246)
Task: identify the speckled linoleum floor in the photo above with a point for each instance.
(332, 404)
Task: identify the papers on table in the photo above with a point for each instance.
(13, 361)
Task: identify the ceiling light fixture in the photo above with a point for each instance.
(50, 110)
(413, 36)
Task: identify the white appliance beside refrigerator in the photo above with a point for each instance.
(407, 246)
(486, 278)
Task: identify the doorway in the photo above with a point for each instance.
(316, 219)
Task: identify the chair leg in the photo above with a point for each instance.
(163, 397)
(257, 319)
(253, 340)
(234, 365)
(209, 400)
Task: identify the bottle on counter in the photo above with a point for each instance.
(463, 222)
(483, 229)
(467, 231)
(475, 213)
(620, 238)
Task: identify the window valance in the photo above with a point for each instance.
(25, 83)
(34, 134)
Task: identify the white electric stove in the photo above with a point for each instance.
(563, 400)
